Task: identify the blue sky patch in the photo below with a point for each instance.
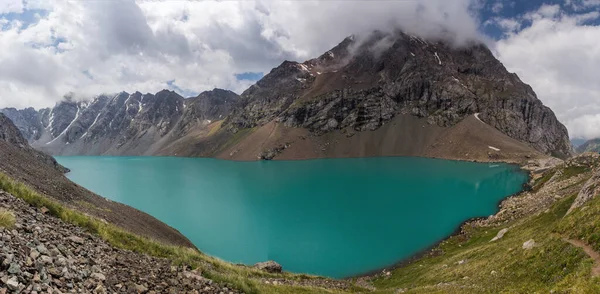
(27, 17)
(249, 76)
(180, 91)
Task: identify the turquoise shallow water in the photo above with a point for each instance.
(332, 217)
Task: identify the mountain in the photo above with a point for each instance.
(388, 94)
(11, 138)
(394, 94)
(577, 142)
(121, 124)
(589, 146)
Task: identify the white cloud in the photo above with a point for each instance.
(560, 57)
(8, 6)
(92, 47)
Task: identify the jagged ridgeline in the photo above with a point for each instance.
(121, 124)
(380, 95)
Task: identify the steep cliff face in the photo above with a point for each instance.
(121, 124)
(363, 84)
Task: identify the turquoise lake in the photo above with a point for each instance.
(331, 217)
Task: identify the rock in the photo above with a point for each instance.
(499, 235)
(76, 239)
(587, 193)
(529, 244)
(12, 284)
(14, 269)
(46, 259)
(34, 254)
(98, 276)
(269, 266)
(140, 288)
(42, 249)
(44, 210)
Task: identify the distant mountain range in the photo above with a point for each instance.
(589, 146)
(384, 95)
(120, 124)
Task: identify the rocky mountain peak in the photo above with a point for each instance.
(362, 84)
(10, 133)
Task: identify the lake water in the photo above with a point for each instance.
(332, 217)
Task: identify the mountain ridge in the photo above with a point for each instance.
(120, 124)
(592, 145)
(357, 87)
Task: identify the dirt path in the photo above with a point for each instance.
(590, 252)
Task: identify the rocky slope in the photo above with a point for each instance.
(362, 85)
(11, 135)
(41, 172)
(589, 146)
(121, 124)
(42, 254)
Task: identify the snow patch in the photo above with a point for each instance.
(477, 117)
(330, 54)
(51, 118)
(318, 73)
(303, 67)
(301, 80)
(67, 128)
(90, 127)
(438, 58)
(493, 148)
(412, 54)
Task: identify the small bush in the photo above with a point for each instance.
(7, 219)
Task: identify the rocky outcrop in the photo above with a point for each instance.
(10, 134)
(589, 146)
(121, 124)
(269, 266)
(590, 190)
(363, 84)
(44, 254)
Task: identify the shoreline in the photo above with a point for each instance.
(424, 252)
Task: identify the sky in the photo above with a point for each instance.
(85, 48)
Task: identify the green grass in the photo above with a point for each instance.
(574, 170)
(503, 266)
(540, 182)
(7, 219)
(238, 277)
(583, 223)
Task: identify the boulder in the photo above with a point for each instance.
(529, 244)
(500, 235)
(269, 266)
